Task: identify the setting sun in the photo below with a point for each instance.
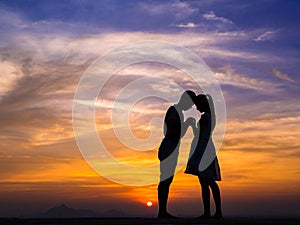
(149, 204)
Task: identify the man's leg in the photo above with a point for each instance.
(163, 193)
(167, 170)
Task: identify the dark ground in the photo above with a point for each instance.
(147, 221)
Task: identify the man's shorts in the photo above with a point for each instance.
(168, 155)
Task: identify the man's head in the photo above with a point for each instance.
(186, 100)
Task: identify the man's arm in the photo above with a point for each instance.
(172, 127)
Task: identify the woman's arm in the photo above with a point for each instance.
(189, 122)
(203, 134)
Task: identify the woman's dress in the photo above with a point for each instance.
(203, 140)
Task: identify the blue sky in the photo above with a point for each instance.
(252, 47)
(267, 27)
(159, 14)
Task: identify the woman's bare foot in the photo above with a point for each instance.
(205, 216)
(166, 216)
(217, 216)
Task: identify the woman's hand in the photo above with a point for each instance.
(191, 121)
(188, 122)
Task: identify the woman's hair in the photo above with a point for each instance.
(206, 102)
(212, 111)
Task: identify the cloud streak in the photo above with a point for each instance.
(267, 35)
(282, 76)
(212, 16)
(187, 25)
(178, 8)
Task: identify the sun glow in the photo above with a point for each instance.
(149, 204)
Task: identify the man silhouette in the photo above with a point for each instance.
(174, 129)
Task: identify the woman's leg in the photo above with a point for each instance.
(217, 197)
(205, 196)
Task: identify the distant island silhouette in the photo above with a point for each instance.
(64, 211)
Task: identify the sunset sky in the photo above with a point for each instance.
(253, 50)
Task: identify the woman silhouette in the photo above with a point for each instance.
(201, 142)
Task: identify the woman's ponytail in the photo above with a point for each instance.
(212, 111)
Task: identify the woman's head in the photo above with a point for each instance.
(204, 103)
(201, 103)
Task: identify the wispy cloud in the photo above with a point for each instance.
(186, 25)
(267, 35)
(178, 8)
(212, 16)
(230, 77)
(10, 73)
(11, 20)
(282, 76)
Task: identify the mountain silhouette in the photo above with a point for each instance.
(63, 211)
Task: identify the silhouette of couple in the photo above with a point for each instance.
(174, 129)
